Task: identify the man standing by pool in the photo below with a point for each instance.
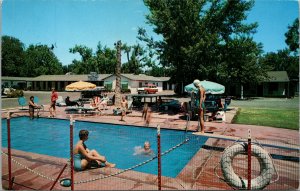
(54, 97)
(201, 94)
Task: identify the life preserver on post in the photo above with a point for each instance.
(267, 168)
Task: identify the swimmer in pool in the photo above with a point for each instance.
(83, 157)
(138, 150)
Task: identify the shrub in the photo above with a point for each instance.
(125, 91)
(16, 93)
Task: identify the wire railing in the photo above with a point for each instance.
(218, 164)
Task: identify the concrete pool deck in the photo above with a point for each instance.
(198, 174)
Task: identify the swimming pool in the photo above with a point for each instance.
(116, 142)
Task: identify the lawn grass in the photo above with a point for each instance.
(281, 118)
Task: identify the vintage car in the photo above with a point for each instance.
(149, 89)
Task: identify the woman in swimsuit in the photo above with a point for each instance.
(32, 106)
(83, 156)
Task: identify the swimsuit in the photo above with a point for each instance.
(197, 101)
(31, 108)
(77, 161)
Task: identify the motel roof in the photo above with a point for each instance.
(277, 76)
(143, 77)
(84, 77)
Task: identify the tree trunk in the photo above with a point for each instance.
(118, 76)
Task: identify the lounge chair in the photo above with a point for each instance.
(173, 105)
(22, 102)
(60, 101)
(71, 109)
(36, 99)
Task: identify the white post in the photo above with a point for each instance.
(242, 92)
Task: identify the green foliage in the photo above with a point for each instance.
(292, 37)
(282, 61)
(125, 90)
(135, 57)
(16, 93)
(196, 36)
(40, 60)
(102, 61)
(240, 62)
(158, 71)
(12, 56)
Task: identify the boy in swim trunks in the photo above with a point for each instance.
(124, 107)
(54, 97)
(144, 151)
(83, 157)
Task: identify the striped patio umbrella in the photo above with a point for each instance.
(210, 87)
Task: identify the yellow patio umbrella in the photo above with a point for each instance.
(80, 86)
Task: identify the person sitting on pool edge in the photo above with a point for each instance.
(145, 151)
(83, 157)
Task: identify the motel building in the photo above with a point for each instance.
(108, 81)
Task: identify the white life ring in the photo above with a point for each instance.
(267, 168)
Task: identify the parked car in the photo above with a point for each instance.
(149, 89)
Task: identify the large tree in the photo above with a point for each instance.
(282, 61)
(195, 36)
(241, 63)
(292, 36)
(12, 57)
(135, 57)
(86, 64)
(103, 61)
(40, 60)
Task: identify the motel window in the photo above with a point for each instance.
(124, 85)
(108, 85)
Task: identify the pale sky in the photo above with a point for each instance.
(86, 22)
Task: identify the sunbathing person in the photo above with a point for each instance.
(83, 157)
(71, 103)
(104, 101)
(95, 103)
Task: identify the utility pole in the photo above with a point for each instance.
(118, 75)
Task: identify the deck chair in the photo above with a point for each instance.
(36, 99)
(22, 102)
(172, 105)
(76, 110)
(60, 101)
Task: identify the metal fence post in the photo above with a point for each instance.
(9, 152)
(71, 153)
(158, 158)
(249, 159)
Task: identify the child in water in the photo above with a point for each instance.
(146, 150)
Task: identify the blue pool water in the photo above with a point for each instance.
(116, 142)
